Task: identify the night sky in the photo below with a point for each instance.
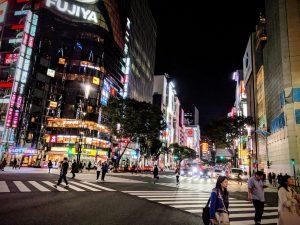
(200, 47)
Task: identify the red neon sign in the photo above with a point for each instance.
(20, 1)
(17, 27)
(6, 85)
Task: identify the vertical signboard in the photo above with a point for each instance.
(247, 61)
(21, 73)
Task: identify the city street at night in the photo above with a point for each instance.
(28, 197)
(149, 112)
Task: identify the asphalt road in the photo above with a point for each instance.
(124, 199)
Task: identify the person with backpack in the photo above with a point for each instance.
(219, 202)
(104, 170)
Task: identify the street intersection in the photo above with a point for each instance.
(124, 198)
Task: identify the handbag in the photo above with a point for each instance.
(206, 214)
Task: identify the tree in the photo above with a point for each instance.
(182, 152)
(134, 121)
(223, 131)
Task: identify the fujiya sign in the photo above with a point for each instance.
(74, 10)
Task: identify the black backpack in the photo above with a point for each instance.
(206, 214)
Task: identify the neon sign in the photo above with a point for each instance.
(73, 10)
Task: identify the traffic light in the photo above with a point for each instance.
(221, 157)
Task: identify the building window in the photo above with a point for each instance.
(297, 116)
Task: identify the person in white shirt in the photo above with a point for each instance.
(288, 202)
(98, 166)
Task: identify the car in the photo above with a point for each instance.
(218, 172)
(234, 172)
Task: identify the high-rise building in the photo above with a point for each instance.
(65, 70)
(140, 48)
(282, 84)
(191, 116)
(253, 76)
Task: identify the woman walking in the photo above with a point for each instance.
(219, 202)
(288, 202)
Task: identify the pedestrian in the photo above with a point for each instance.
(50, 165)
(239, 178)
(155, 173)
(288, 206)
(14, 164)
(219, 202)
(274, 179)
(98, 166)
(104, 170)
(256, 194)
(133, 168)
(279, 177)
(63, 173)
(80, 167)
(19, 163)
(3, 164)
(177, 174)
(270, 178)
(89, 166)
(74, 168)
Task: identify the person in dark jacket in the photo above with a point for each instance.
(63, 173)
(104, 170)
(74, 168)
(219, 202)
(14, 163)
(50, 165)
(155, 174)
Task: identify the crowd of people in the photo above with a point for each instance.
(75, 167)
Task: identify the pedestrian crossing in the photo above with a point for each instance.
(48, 186)
(241, 211)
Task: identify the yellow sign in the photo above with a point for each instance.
(96, 80)
(53, 104)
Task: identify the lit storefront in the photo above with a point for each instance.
(27, 156)
(58, 153)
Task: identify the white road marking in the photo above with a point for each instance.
(51, 185)
(21, 186)
(4, 187)
(38, 186)
(84, 186)
(99, 186)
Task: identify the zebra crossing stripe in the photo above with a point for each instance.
(38, 186)
(238, 215)
(184, 198)
(99, 186)
(250, 222)
(196, 201)
(22, 187)
(199, 205)
(51, 185)
(84, 186)
(75, 188)
(4, 187)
